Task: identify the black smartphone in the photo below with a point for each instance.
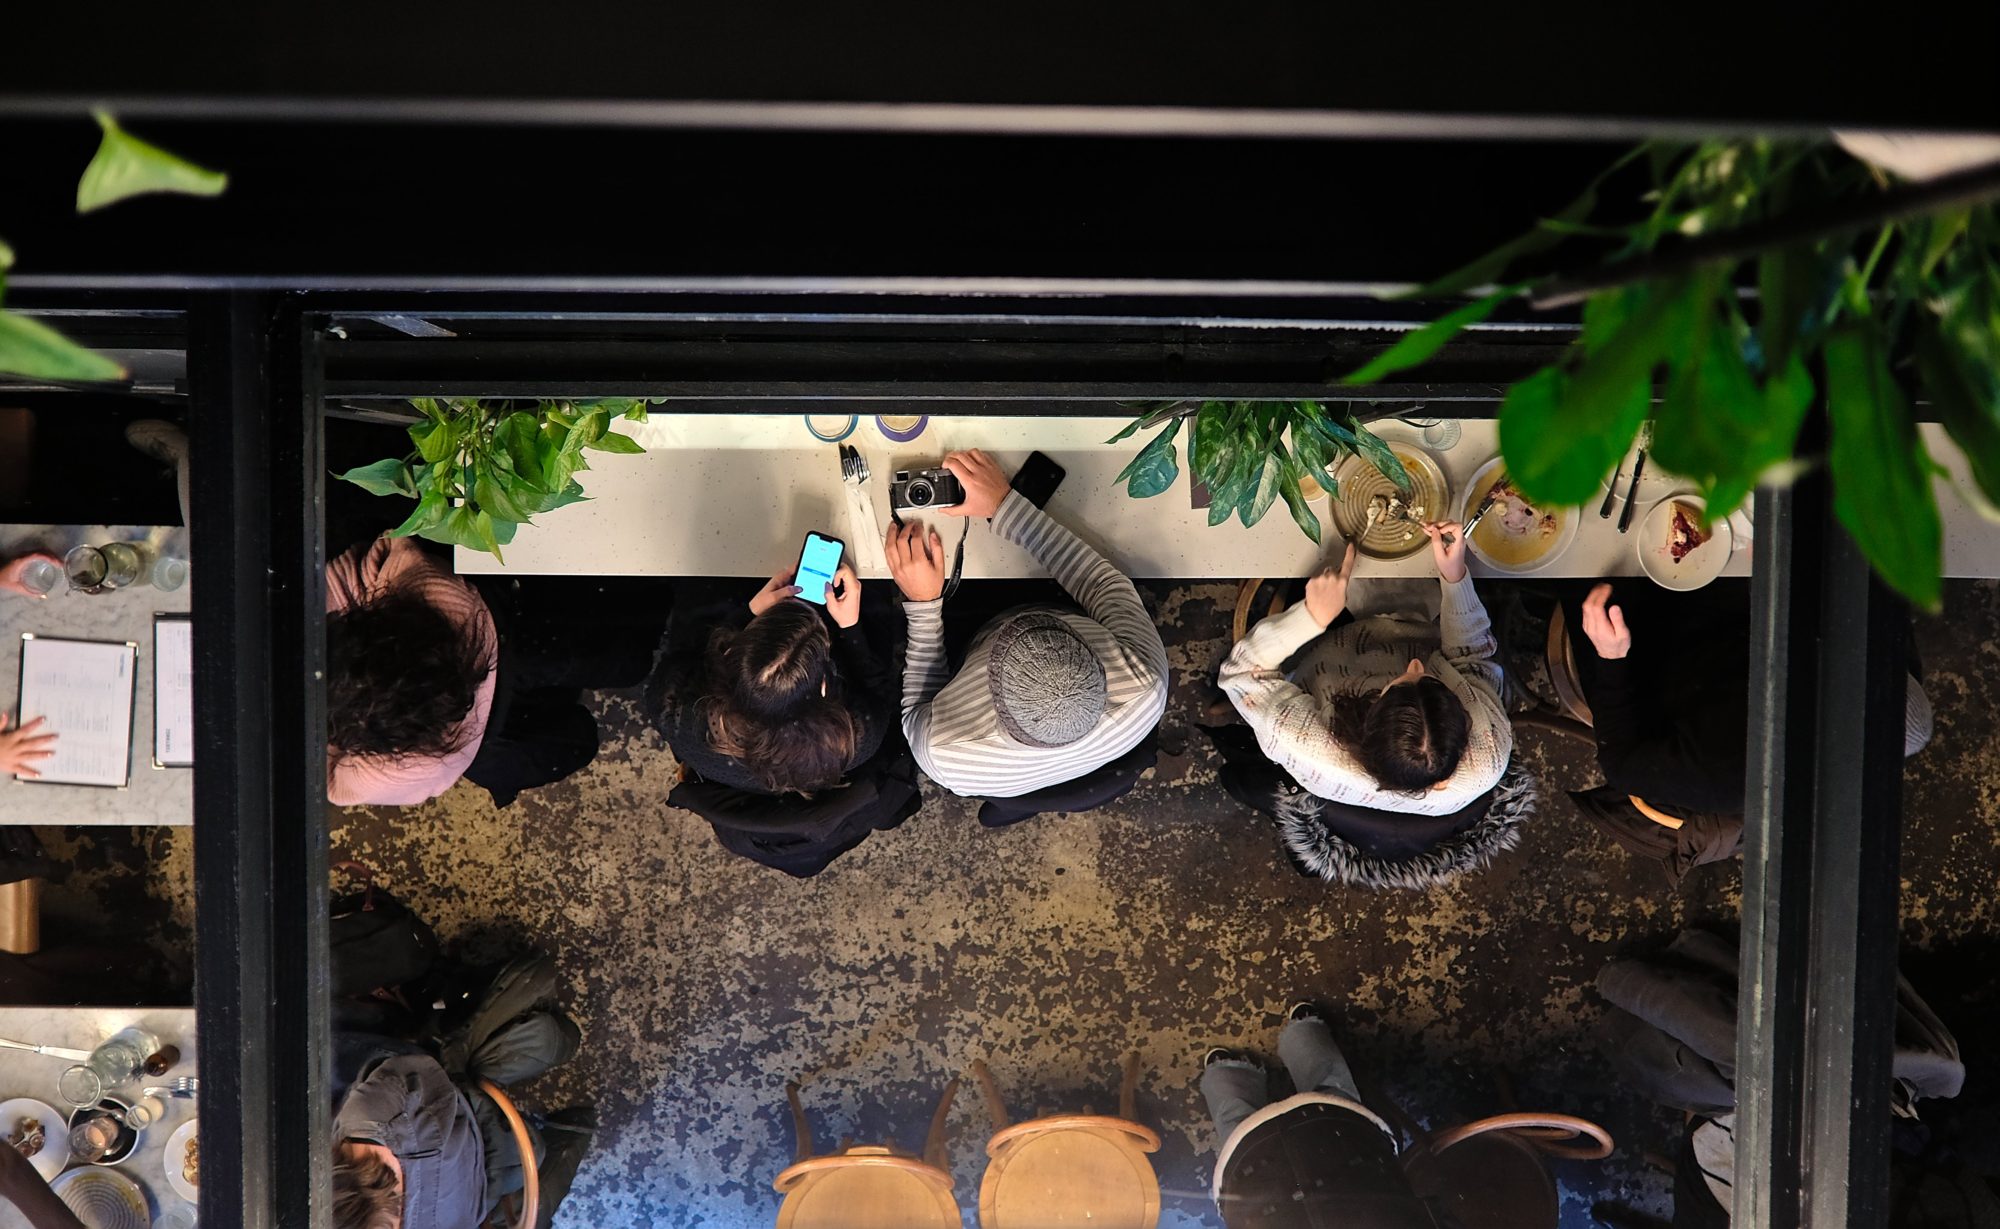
(819, 559)
(1038, 478)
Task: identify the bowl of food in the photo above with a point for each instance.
(1373, 513)
(1675, 550)
(36, 1131)
(182, 1161)
(1516, 536)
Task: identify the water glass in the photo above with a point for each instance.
(169, 573)
(40, 577)
(123, 564)
(122, 1059)
(1444, 434)
(80, 1086)
(94, 1137)
(85, 567)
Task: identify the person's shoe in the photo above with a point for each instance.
(1304, 1010)
(1217, 1054)
(567, 1135)
(158, 439)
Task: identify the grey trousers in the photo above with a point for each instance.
(1235, 1089)
(515, 1035)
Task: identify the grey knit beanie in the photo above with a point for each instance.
(1046, 682)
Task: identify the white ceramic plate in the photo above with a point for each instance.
(1475, 490)
(1701, 565)
(55, 1135)
(174, 1160)
(103, 1199)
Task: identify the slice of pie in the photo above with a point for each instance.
(1685, 532)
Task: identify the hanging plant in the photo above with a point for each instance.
(1250, 454)
(482, 469)
(1865, 289)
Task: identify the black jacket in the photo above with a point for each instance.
(1318, 1166)
(802, 836)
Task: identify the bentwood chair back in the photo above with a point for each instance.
(869, 1185)
(1491, 1174)
(1072, 1170)
(531, 1190)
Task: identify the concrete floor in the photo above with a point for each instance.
(1166, 923)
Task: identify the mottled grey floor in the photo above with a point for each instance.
(1165, 924)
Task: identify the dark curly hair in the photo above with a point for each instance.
(401, 678)
(763, 706)
(1410, 737)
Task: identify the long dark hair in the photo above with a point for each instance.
(401, 678)
(763, 704)
(1410, 737)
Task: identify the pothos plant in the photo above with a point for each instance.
(482, 469)
(123, 167)
(1759, 304)
(1250, 454)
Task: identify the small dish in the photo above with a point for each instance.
(1699, 566)
(55, 1133)
(103, 1199)
(1512, 554)
(174, 1160)
(128, 1139)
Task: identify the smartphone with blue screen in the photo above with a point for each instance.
(819, 559)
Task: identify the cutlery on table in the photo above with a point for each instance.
(75, 1056)
(1638, 469)
(1472, 522)
(1611, 491)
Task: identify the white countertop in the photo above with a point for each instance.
(154, 795)
(735, 495)
(81, 1028)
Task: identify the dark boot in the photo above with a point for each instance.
(567, 1134)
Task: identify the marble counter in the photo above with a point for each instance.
(153, 795)
(23, 1074)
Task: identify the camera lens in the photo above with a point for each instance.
(919, 493)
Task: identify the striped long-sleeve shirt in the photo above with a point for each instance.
(953, 727)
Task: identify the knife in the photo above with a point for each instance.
(1632, 492)
(75, 1056)
(1472, 522)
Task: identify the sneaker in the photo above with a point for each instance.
(1217, 1054)
(567, 1135)
(158, 439)
(1304, 1010)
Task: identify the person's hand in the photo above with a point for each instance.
(1450, 558)
(775, 590)
(12, 574)
(916, 560)
(21, 749)
(1326, 589)
(843, 597)
(985, 486)
(1605, 625)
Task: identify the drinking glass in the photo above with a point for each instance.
(80, 1086)
(85, 568)
(95, 1136)
(122, 1059)
(1443, 434)
(40, 576)
(122, 564)
(169, 573)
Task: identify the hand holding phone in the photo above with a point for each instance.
(819, 562)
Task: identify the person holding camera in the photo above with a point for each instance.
(1046, 694)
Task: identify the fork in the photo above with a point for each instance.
(1638, 469)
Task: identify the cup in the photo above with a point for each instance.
(1443, 434)
(85, 567)
(169, 573)
(80, 1086)
(123, 564)
(40, 577)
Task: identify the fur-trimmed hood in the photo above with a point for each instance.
(1310, 827)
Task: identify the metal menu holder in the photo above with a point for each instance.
(173, 691)
(82, 689)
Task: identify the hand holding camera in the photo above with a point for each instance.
(965, 484)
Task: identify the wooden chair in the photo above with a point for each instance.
(1069, 1170)
(1563, 676)
(1491, 1174)
(874, 1186)
(21, 917)
(530, 1198)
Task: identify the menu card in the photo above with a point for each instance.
(173, 691)
(82, 690)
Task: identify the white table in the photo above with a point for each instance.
(154, 795)
(81, 1028)
(735, 495)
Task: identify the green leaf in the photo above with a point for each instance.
(1881, 476)
(1785, 278)
(125, 166)
(1213, 451)
(611, 441)
(1415, 347)
(430, 408)
(1966, 395)
(1130, 429)
(1295, 499)
(6, 256)
(1257, 497)
(1309, 447)
(517, 435)
(32, 349)
(571, 494)
(390, 477)
(430, 510)
(435, 441)
(1381, 456)
(494, 497)
(1156, 466)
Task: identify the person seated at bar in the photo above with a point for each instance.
(1393, 712)
(1319, 1157)
(1046, 693)
(781, 705)
(24, 1188)
(411, 664)
(1666, 676)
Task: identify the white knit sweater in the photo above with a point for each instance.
(1292, 716)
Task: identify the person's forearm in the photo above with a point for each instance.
(33, 1199)
(1106, 594)
(924, 667)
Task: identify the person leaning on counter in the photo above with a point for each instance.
(26, 744)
